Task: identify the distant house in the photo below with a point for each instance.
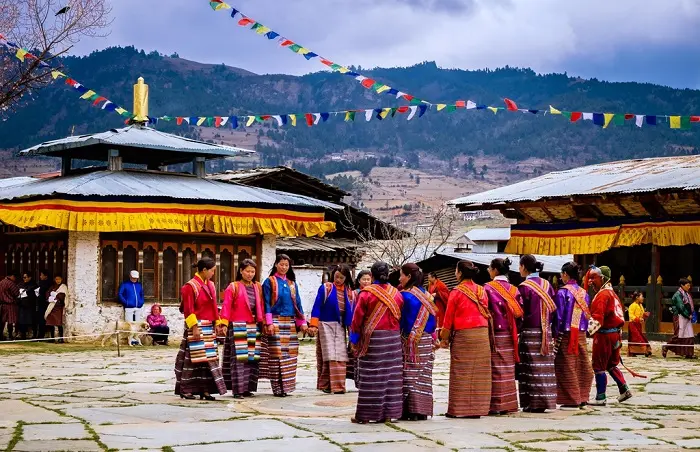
(489, 240)
(464, 244)
(476, 215)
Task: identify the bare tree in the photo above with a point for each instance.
(47, 29)
(390, 243)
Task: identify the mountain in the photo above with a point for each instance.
(184, 88)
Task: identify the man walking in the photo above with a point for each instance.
(131, 297)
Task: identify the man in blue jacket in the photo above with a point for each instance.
(131, 297)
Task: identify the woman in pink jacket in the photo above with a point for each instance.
(242, 313)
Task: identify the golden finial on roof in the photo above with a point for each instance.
(140, 101)
(660, 280)
(622, 280)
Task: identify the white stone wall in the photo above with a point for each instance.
(308, 280)
(268, 254)
(82, 315)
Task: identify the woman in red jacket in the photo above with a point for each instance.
(197, 368)
(466, 327)
(242, 313)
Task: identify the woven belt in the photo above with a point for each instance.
(609, 330)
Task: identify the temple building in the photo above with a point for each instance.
(640, 217)
(93, 225)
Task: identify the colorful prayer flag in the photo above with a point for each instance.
(607, 118)
(510, 105)
(553, 111)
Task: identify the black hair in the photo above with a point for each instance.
(205, 263)
(360, 275)
(380, 272)
(290, 273)
(44, 272)
(636, 294)
(245, 263)
(571, 269)
(415, 273)
(530, 263)
(683, 281)
(58, 275)
(433, 274)
(345, 271)
(502, 266)
(467, 269)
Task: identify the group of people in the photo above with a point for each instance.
(384, 338)
(27, 305)
(132, 298)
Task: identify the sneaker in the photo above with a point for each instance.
(624, 396)
(598, 402)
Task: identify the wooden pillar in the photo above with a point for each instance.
(66, 163)
(654, 293)
(114, 160)
(199, 167)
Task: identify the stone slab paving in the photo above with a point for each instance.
(93, 400)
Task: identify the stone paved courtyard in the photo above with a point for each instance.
(87, 398)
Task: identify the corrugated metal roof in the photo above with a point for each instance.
(247, 176)
(15, 181)
(488, 234)
(627, 176)
(148, 184)
(552, 264)
(135, 136)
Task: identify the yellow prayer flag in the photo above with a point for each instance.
(608, 117)
(20, 54)
(385, 112)
(441, 106)
(88, 94)
(553, 111)
(201, 120)
(293, 120)
(348, 116)
(493, 109)
(120, 110)
(262, 30)
(383, 88)
(303, 51)
(56, 74)
(675, 122)
(343, 70)
(251, 120)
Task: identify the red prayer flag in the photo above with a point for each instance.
(98, 100)
(402, 109)
(309, 119)
(368, 83)
(576, 115)
(510, 105)
(695, 119)
(460, 104)
(217, 121)
(629, 116)
(245, 21)
(70, 81)
(286, 43)
(178, 120)
(408, 97)
(265, 117)
(326, 62)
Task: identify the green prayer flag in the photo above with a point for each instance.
(567, 114)
(685, 122)
(349, 115)
(256, 25)
(210, 121)
(416, 101)
(619, 120)
(451, 108)
(295, 48)
(393, 111)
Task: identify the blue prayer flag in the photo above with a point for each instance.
(421, 109)
(599, 119)
(651, 120)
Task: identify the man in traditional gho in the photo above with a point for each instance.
(571, 362)
(538, 382)
(682, 309)
(440, 294)
(418, 324)
(330, 317)
(505, 305)
(197, 369)
(284, 316)
(376, 338)
(9, 293)
(607, 319)
(241, 314)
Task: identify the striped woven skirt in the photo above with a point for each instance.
(279, 356)
(681, 346)
(574, 373)
(418, 380)
(197, 378)
(241, 357)
(381, 378)
(638, 344)
(538, 381)
(504, 393)
(470, 373)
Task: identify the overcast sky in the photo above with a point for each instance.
(618, 40)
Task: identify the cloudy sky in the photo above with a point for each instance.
(617, 40)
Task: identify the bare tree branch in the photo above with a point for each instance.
(35, 26)
(390, 244)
